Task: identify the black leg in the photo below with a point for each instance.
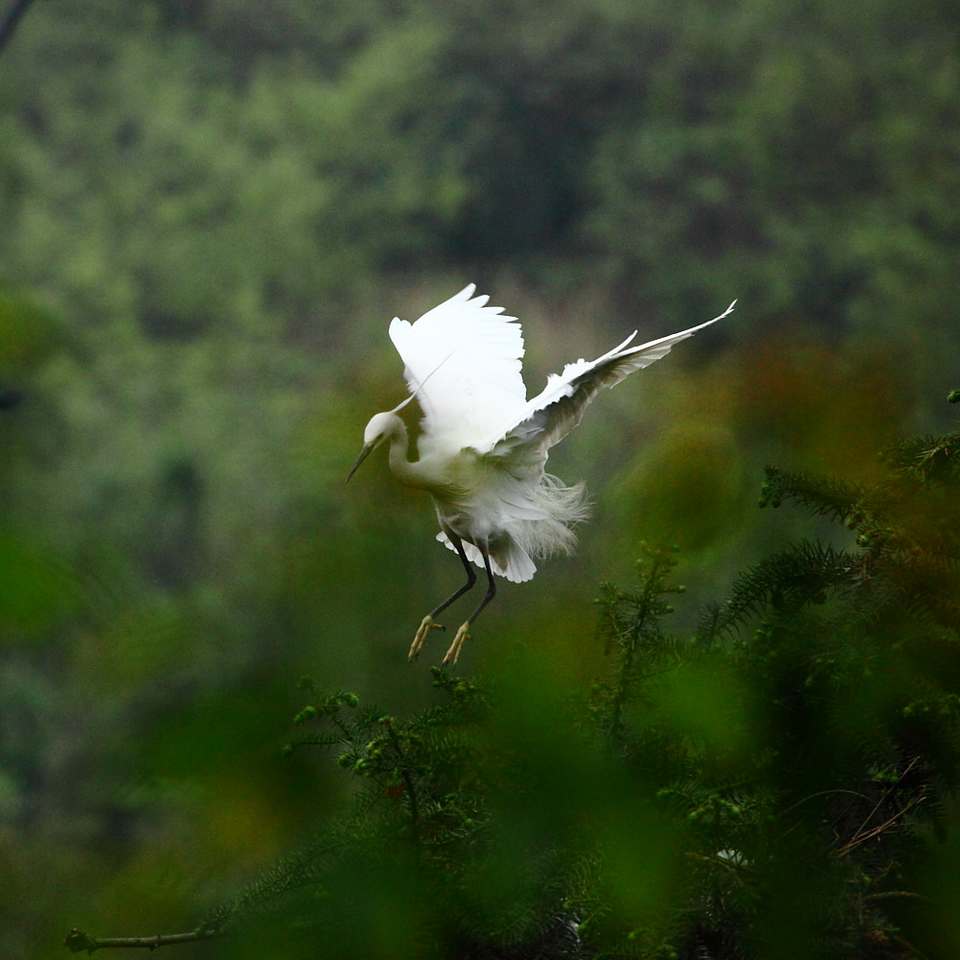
(491, 587)
(467, 566)
(427, 624)
(453, 654)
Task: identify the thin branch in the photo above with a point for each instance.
(632, 642)
(889, 894)
(77, 941)
(407, 778)
(861, 838)
(884, 797)
(9, 23)
(824, 793)
(907, 945)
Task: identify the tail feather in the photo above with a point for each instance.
(511, 561)
(533, 523)
(560, 508)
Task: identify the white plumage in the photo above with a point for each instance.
(484, 447)
(471, 354)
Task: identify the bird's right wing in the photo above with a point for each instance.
(462, 359)
(551, 415)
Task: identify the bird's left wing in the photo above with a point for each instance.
(463, 359)
(550, 416)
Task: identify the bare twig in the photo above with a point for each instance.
(890, 894)
(886, 794)
(824, 793)
(77, 941)
(861, 834)
(907, 945)
(860, 838)
(9, 23)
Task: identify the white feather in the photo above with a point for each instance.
(484, 447)
(513, 564)
(553, 413)
(471, 354)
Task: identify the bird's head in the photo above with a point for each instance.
(381, 426)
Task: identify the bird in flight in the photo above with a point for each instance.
(483, 445)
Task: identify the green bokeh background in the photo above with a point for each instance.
(211, 210)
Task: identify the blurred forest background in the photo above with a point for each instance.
(211, 210)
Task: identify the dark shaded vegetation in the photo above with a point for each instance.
(778, 783)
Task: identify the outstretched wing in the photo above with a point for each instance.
(551, 415)
(464, 359)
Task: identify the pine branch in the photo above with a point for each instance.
(927, 458)
(630, 624)
(405, 775)
(826, 496)
(800, 574)
(301, 869)
(631, 641)
(77, 941)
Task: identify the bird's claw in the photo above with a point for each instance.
(453, 654)
(420, 638)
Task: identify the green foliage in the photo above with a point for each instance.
(907, 525)
(799, 575)
(631, 630)
(736, 793)
(418, 805)
(295, 150)
(211, 208)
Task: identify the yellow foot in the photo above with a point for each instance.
(453, 654)
(420, 638)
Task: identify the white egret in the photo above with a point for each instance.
(484, 445)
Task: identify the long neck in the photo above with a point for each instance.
(406, 472)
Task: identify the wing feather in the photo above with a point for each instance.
(464, 358)
(551, 415)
